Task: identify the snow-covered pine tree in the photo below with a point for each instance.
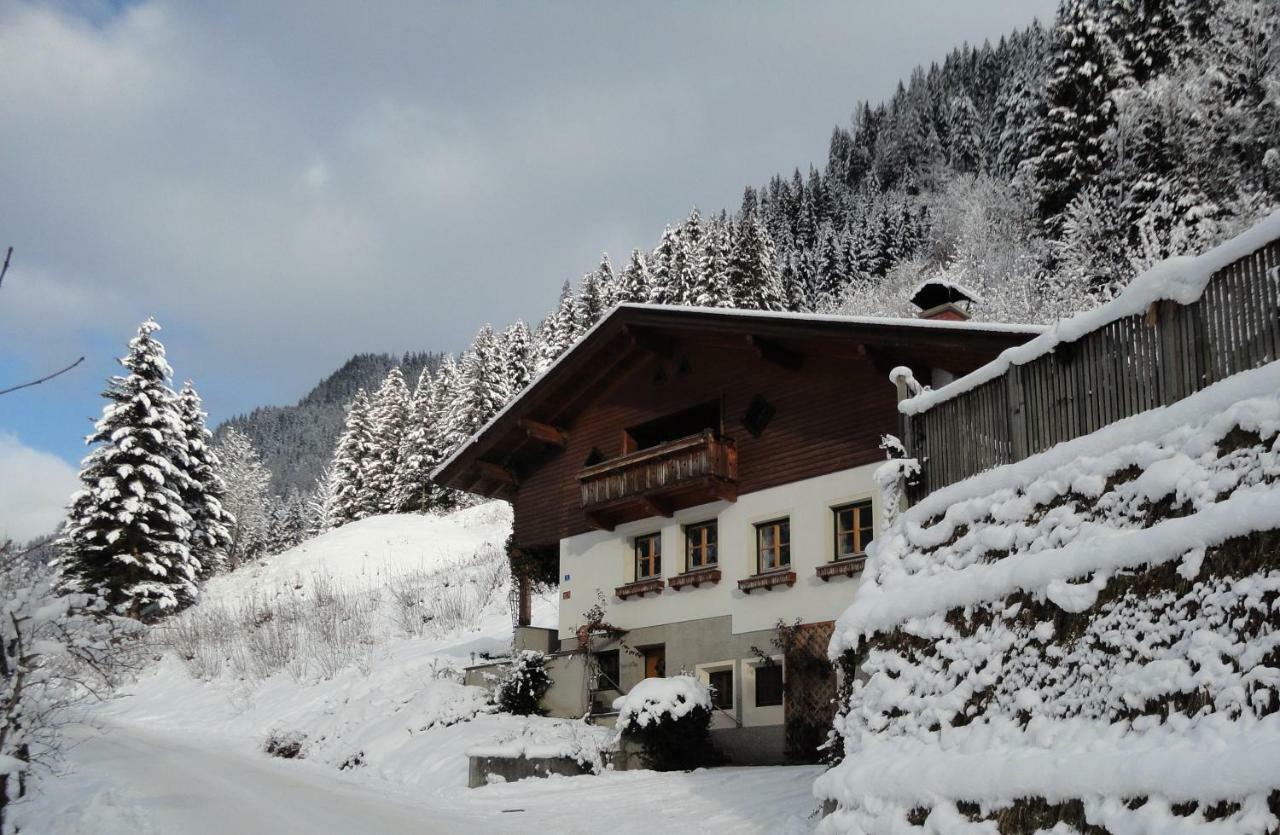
(127, 536)
(211, 524)
(247, 499)
(608, 282)
(663, 264)
(964, 135)
(753, 271)
(444, 389)
(634, 280)
(591, 299)
(687, 262)
(286, 524)
(516, 345)
(419, 454)
(318, 507)
(481, 391)
(559, 330)
(388, 420)
(1083, 77)
(354, 445)
(712, 288)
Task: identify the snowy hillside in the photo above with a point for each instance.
(350, 647)
(1085, 638)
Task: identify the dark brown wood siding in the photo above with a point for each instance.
(830, 415)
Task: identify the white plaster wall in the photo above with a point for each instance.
(603, 560)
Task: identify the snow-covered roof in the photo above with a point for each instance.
(1180, 279)
(734, 313)
(955, 287)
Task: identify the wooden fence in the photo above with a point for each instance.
(1125, 367)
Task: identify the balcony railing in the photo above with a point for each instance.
(661, 479)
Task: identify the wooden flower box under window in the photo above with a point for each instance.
(639, 588)
(695, 578)
(842, 568)
(767, 581)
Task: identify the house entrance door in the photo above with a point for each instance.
(655, 662)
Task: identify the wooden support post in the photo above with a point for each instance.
(524, 615)
(498, 473)
(545, 432)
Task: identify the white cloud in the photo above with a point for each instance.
(34, 488)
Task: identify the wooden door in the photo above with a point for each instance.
(655, 662)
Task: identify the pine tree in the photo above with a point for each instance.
(389, 421)
(591, 300)
(634, 282)
(481, 390)
(608, 282)
(348, 465)
(516, 346)
(419, 453)
(712, 288)
(320, 502)
(663, 267)
(1083, 77)
(753, 272)
(687, 260)
(247, 499)
(211, 524)
(128, 534)
(965, 135)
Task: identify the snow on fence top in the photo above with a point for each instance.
(1182, 280)
(1088, 637)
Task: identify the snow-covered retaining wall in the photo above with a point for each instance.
(1085, 641)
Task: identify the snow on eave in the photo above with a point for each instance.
(872, 321)
(1181, 279)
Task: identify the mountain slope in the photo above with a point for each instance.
(296, 442)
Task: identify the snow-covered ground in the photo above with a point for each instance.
(339, 645)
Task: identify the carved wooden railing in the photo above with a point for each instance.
(652, 470)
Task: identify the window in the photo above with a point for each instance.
(721, 682)
(607, 670)
(700, 545)
(648, 556)
(673, 427)
(854, 526)
(773, 545)
(769, 685)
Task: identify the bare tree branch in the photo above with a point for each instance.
(46, 378)
(4, 269)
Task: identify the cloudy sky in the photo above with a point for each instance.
(283, 184)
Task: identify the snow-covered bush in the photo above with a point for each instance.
(670, 718)
(524, 684)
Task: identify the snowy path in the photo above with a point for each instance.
(175, 786)
(138, 780)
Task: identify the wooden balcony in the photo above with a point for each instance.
(660, 480)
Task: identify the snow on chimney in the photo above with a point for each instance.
(939, 298)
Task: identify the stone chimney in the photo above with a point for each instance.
(939, 298)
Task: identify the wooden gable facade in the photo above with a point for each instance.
(659, 408)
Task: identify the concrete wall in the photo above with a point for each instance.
(518, 768)
(601, 561)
